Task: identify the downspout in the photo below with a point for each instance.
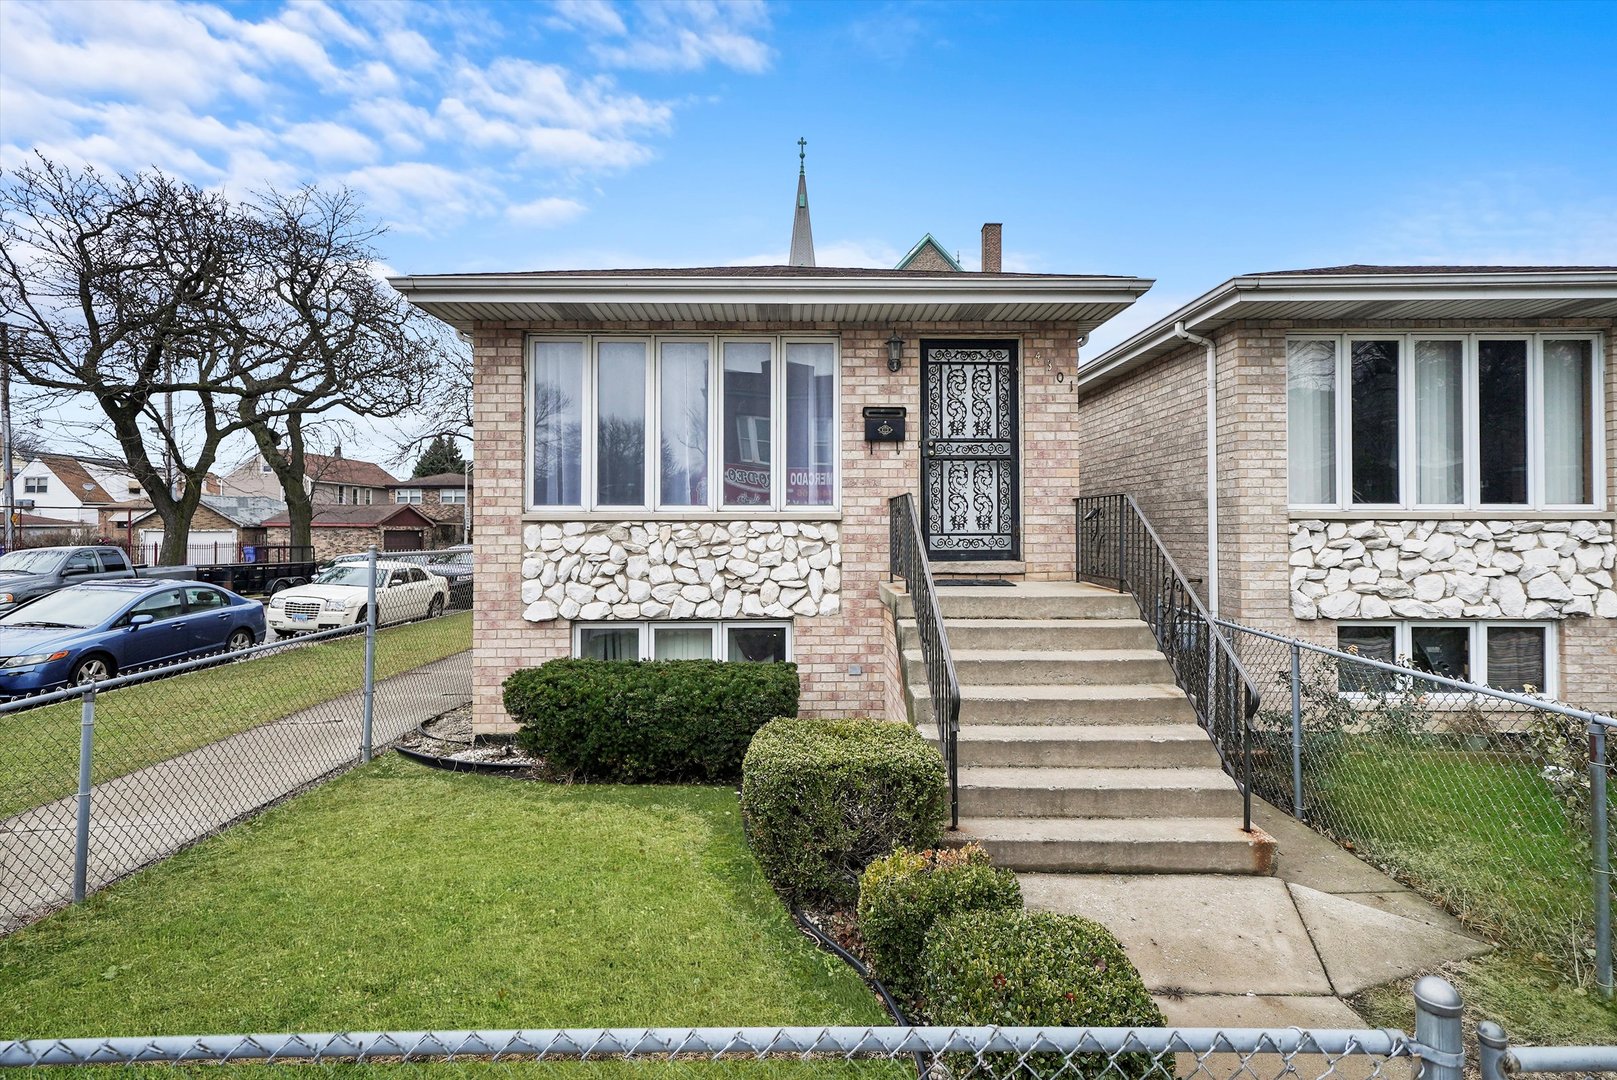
(1179, 331)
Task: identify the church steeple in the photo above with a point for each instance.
(802, 234)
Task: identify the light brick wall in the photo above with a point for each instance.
(827, 648)
(1146, 435)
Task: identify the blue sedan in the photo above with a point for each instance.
(94, 631)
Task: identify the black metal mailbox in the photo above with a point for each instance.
(884, 423)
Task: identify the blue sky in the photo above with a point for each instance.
(1184, 142)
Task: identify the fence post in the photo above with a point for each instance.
(1296, 733)
(370, 660)
(1600, 844)
(1493, 1045)
(81, 841)
(1437, 1028)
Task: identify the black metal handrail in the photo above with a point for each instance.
(1117, 544)
(909, 562)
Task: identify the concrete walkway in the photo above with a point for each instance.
(151, 813)
(1282, 951)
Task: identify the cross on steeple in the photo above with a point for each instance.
(802, 235)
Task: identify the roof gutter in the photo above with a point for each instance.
(1180, 332)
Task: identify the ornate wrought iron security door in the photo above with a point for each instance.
(969, 450)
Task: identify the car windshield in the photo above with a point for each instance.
(356, 576)
(71, 609)
(36, 561)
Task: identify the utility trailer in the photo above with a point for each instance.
(257, 579)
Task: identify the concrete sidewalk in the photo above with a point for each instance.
(1282, 951)
(149, 814)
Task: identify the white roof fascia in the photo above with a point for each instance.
(804, 290)
(1219, 307)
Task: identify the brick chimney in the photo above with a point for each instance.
(991, 233)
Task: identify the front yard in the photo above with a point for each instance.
(397, 896)
(146, 723)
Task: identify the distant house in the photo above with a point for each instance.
(442, 497)
(345, 529)
(329, 478)
(222, 527)
(70, 491)
(928, 254)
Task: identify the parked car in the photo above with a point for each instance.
(91, 631)
(453, 564)
(337, 597)
(34, 572)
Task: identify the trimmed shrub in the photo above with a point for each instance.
(822, 798)
(1039, 969)
(901, 895)
(653, 721)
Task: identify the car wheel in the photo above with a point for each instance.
(362, 615)
(239, 640)
(435, 606)
(91, 669)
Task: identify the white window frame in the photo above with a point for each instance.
(1403, 647)
(36, 485)
(589, 433)
(719, 628)
(407, 496)
(452, 497)
(1407, 464)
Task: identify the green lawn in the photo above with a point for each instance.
(397, 896)
(1480, 833)
(139, 725)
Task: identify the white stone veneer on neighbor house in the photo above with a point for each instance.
(706, 570)
(1452, 569)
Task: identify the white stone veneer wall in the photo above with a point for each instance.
(1452, 569)
(680, 570)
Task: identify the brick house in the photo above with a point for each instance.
(329, 478)
(221, 527)
(443, 497)
(1412, 461)
(673, 462)
(340, 529)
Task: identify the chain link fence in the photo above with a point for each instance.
(98, 780)
(1436, 1051)
(1493, 803)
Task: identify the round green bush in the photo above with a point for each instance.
(822, 798)
(900, 897)
(1040, 969)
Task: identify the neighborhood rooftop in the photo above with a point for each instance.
(1364, 293)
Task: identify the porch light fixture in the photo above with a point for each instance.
(895, 352)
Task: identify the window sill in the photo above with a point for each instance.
(809, 513)
(1495, 513)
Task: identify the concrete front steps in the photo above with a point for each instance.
(1077, 751)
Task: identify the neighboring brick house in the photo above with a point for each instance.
(1414, 461)
(329, 478)
(673, 462)
(221, 528)
(344, 530)
(441, 497)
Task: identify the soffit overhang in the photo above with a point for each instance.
(1363, 299)
(1008, 301)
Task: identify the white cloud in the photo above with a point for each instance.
(674, 35)
(546, 213)
(593, 16)
(1500, 220)
(425, 107)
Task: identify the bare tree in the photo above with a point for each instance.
(127, 286)
(331, 336)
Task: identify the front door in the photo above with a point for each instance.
(969, 450)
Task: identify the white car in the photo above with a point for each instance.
(337, 597)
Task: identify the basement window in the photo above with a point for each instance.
(741, 642)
